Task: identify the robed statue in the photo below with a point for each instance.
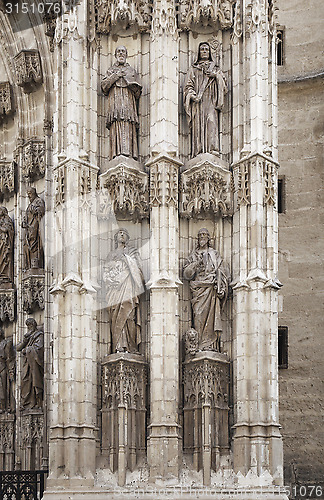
(33, 245)
(7, 372)
(124, 283)
(6, 246)
(123, 89)
(32, 377)
(208, 279)
(204, 92)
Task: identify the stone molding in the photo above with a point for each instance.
(29, 70)
(113, 15)
(123, 190)
(205, 187)
(7, 305)
(207, 13)
(33, 159)
(6, 104)
(7, 177)
(33, 292)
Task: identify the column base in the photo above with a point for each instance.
(164, 452)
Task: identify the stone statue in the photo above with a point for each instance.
(208, 278)
(32, 377)
(122, 86)
(6, 246)
(204, 92)
(125, 283)
(7, 372)
(33, 246)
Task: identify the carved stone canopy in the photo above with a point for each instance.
(7, 304)
(33, 159)
(7, 177)
(29, 69)
(33, 288)
(5, 100)
(112, 15)
(123, 190)
(206, 13)
(205, 188)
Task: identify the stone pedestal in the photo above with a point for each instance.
(7, 441)
(123, 411)
(32, 425)
(205, 421)
(7, 302)
(33, 290)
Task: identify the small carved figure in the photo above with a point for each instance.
(124, 280)
(32, 377)
(204, 92)
(6, 246)
(33, 246)
(7, 372)
(191, 342)
(123, 88)
(208, 278)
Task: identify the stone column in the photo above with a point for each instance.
(164, 445)
(73, 384)
(257, 439)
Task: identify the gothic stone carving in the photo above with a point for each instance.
(164, 18)
(205, 188)
(209, 280)
(163, 184)
(204, 93)
(28, 69)
(125, 283)
(269, 171)
(5, 100)
(33, 291)
(33, 245)
(32, 377)
(193, 12)
(33, 159)
(7, 177)
(7, 441)
(123, 89)
(115, 14)
(7, 305)
(7, 373)
(32, 437)
(124, 191)
(6, 248)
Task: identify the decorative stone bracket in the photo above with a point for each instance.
(193, 12)
(33, 159)
(123, 190)
(33, 291)
(5, 100)
(7, 305)
(205, 188)
(7, 177)
(28, 69)
(121, 14)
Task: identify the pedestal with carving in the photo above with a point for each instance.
(33, 290)
(32, 428)
(123, 411)
(205, 426)
(7, 441)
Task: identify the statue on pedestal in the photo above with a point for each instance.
(208, 278)
(7, 372)
(204, 91)
(33, 246)
(124, 281)
(123, 88)
(32, 376)
(6, 246)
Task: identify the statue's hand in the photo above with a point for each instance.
(195, 98)
(211, 74)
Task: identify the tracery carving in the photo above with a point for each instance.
(243, 188)
(163, 184)
(29, 69)
(155, 186)
(123, 383)
(7, 305)
(269, 183)
(204, 189)
(59, 180)
(6, 106)
(7, 177)
(32, 429)
(33, 159)
(255, 16)
(33, 291)
(7, 435)
(207, 13)
(111, 14)
(164, 18)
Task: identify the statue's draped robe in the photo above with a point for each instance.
(207, 283)
(6, 249)
(122, 118)
(32, 378)
(33, 246)
(124, 280)
(3, 373)
(203, 116)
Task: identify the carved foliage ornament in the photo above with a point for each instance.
(123, 13)
(5, 100)
(123, 383)
(7, 177)
(33, 160)
(206, 12)
(7, 433)
(206, 382)
(32, 429)
(164, 18)
(7, 305)
(33, 293)
(28, 69)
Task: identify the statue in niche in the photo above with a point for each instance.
(123, 88)
(6, 247)
(33, 246)
(32, 377)
(208, 278)
(204, 92)
(125, 282)
(7, 372)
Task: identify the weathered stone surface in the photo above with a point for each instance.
(28, 69)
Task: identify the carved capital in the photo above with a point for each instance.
(205, 188)
(6, 105)
(33, 159)
(7, 177)
(7, 305)
(112, 15)
(33, 288)
(124, 191)
(7, 433)
(207, 13)
(255, 17)
(32, 425)
(28, 69)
